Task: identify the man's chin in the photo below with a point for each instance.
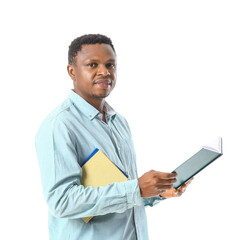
(100, 96)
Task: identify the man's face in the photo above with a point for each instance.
(94, 72)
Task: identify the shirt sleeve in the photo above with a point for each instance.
(61, 175)
(152, 201)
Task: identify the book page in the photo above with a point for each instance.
(215, 146)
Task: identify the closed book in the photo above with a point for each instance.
(98, 170)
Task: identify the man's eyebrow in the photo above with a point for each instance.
(97, 60)
(92, 59)
(111, 60)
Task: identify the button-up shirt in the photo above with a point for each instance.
(65, 139)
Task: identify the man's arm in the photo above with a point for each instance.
(61, 176)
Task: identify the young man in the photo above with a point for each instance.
(69, 135)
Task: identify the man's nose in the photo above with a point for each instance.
(102, 70)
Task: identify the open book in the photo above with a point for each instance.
(197, 162)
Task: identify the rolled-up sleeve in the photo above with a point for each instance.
(152, 201)
(61, 175)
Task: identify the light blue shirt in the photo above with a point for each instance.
(65, 139)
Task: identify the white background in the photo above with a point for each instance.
(182, 73)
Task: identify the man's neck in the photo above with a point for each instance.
(97, 103)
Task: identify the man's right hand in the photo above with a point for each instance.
(154, 183)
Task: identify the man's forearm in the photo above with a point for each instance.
(77, 201)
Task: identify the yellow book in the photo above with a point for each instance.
(99, 170)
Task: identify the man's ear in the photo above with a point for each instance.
(71, 71)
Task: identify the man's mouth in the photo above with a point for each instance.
(103, 83)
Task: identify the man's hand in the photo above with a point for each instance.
(176, 192)
(154, 183)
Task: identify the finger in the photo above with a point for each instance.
(177, 193)
(166, 181)
(163, 175)
(187, 183)
(190, 180)
(171, 193)
(183, 188)
(164, 187)
(161, 191)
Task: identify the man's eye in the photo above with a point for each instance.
(92, 65)
(110, 65)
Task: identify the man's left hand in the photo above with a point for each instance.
(176, 192)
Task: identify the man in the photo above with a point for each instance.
(69, 135)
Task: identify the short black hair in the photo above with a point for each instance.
(76, 44)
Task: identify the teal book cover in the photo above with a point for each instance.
(198, 162)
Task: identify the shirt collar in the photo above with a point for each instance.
(87, 109)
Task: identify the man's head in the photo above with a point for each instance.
(88, 39)
(92, 66)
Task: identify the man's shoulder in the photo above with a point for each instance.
(60, 111)
(57, 115)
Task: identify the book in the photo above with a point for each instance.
(99, 170)
(198, 162)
